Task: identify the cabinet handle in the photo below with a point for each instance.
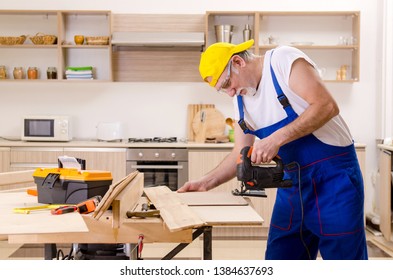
(157, 166)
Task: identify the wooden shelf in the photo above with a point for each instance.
(328, 36)
(316, 47)
(64, 25)
(27, 46)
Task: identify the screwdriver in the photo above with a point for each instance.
(63, 210)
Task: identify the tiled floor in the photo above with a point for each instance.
(222, 250)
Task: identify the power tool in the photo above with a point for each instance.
(255, 178)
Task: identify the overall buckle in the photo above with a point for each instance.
(243, 125)
(283, 100)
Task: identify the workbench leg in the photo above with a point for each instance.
(207, 243)
(50, 251)
(131, 250)
(181, 246)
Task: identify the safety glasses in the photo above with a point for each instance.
(227, 82)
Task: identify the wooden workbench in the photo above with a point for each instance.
(211, 208)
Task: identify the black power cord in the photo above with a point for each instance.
(60, 255)
(301, 206)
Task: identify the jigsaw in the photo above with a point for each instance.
(256, 178)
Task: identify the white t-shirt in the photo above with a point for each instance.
(263, 109)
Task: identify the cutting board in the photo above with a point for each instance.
(211, 125)
(193, 109)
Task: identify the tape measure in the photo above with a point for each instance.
(27, 210)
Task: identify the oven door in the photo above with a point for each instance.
(172, 174)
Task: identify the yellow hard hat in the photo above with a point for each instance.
(216, 57)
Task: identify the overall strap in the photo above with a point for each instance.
(280, 93)
(280, 96)
(241, 121)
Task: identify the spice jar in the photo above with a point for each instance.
(51, 73)
(32, 73)
(18, 73)
(3, 72)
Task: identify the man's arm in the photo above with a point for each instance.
(305, 82)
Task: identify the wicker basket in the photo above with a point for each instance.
(97, 40)
(9, 40)
(43, 39)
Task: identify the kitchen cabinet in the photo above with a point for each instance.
(331, 39)
(26, 158)
(4, 159)
(64, 52)
(145, 62)
(385, 191)
(30, 158)
(110, 159)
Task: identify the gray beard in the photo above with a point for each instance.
(249, 91)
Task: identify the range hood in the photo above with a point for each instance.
(158, 39)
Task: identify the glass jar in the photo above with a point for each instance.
(32, 73)
(51, 73)
(18, 73)
(3, 72)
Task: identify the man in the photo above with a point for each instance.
(280, 98)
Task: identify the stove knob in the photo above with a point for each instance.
(173, 155)
(140, 155)
(157, 155)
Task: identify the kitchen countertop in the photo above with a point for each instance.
(385, 147)
(91, 143)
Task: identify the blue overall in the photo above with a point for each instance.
(323, 210)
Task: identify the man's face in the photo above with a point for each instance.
(227, 83)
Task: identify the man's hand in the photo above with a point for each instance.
(193, 186)
(264, 150)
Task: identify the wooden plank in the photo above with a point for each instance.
(211, 199)
(127, 199)
(101, 231)
(37, 221)
(175, 213)
(112, 193)
(228, 215)
(43, 222)
(16, 177)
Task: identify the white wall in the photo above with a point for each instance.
(160, 109)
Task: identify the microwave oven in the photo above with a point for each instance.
(46, 128)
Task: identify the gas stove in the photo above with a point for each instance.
(153, 140)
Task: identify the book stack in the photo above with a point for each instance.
(79, 73)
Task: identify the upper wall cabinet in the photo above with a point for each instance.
(157, 47)
(44, 39)
(331, 39)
